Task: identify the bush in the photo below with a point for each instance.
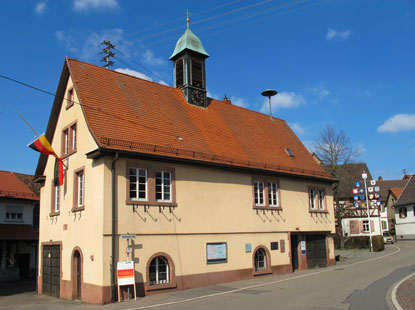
(378, 244)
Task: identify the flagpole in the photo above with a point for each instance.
(28, 124)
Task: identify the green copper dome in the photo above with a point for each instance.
(189, 41)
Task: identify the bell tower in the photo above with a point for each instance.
(189, 68)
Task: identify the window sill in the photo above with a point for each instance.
(68, 154)
(78, 209)
(51, 214)
(267, 208)
(318, 211)
(151, 203)
(158, 287)
(262, 272)
(69, 105)
(14, 221)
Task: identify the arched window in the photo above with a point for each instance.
(260, 260)
(158, 271)
(402, 213)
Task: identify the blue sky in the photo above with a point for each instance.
(347, 63)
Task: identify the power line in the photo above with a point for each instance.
(97, 110)
(181, 19)
(142, 66)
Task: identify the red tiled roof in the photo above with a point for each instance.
(18, 232)
(397, 191)
(130, 114)
(11, 186)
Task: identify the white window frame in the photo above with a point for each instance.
(321, 194)
(163, 185)
(66, 137)
(312, 198)
(137, 184)
(57, 198)
(259, 193)
(81, 186)
(73, 133)
(366, 226)
(273, 194)
(260, 259)
(12, 214)
(157, 271)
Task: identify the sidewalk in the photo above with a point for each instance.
(405, 294)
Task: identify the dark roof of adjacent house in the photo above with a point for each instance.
(408, 194)
(18, 186)
(386, 185)
(18, 232)
(135, 116)
(347, 175)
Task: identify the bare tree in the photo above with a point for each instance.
(334, 150)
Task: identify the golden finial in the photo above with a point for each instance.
(187, 18)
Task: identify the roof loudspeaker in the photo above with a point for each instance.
(269, 93)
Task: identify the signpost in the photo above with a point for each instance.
(125, 270)
(125, 276)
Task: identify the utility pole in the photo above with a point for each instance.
(108, 53)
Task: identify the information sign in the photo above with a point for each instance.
(356, 205)
(372, 182)
(356, 197)
(125, 273)
(303, 247)
(355, 190)
(370, 189)
(357, 184)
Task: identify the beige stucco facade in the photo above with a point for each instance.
(212, 205)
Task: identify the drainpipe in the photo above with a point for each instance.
(113, 223)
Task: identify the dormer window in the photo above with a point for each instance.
(289, 152)
(69, 98)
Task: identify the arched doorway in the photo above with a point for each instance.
(77, 275)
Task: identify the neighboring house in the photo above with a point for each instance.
(214, 192)
(390, 190)
(405, 212)
(19, 218)
(354, 219)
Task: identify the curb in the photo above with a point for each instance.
(395, 289)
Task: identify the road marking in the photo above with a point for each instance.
(262, 284)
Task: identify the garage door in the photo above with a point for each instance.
(51, 270)
(316, 251)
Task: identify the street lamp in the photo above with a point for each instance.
(364, 176)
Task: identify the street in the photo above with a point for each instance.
(361, 283)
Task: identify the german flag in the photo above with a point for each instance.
(43, 146)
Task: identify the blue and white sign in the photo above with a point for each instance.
(370, 189)
(361, 191)
(378, 203)
(356, 197)
(377, 196)
(303, 247)
(356, 205)
(372, 182)
(377, 188)
(357, 184)
(362, 197)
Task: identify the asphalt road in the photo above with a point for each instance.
(361, 283)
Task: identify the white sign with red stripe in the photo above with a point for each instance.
(125, 273)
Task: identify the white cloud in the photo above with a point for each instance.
(332, 34)
(163, 83)
(297, 128)
(67, 40)
(86, 5)
(40, 8)
(240, 102)
(283, 100)
(134, 73)
(320, 92)
(148, 57)
(399, 122)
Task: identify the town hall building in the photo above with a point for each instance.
(211, 191)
